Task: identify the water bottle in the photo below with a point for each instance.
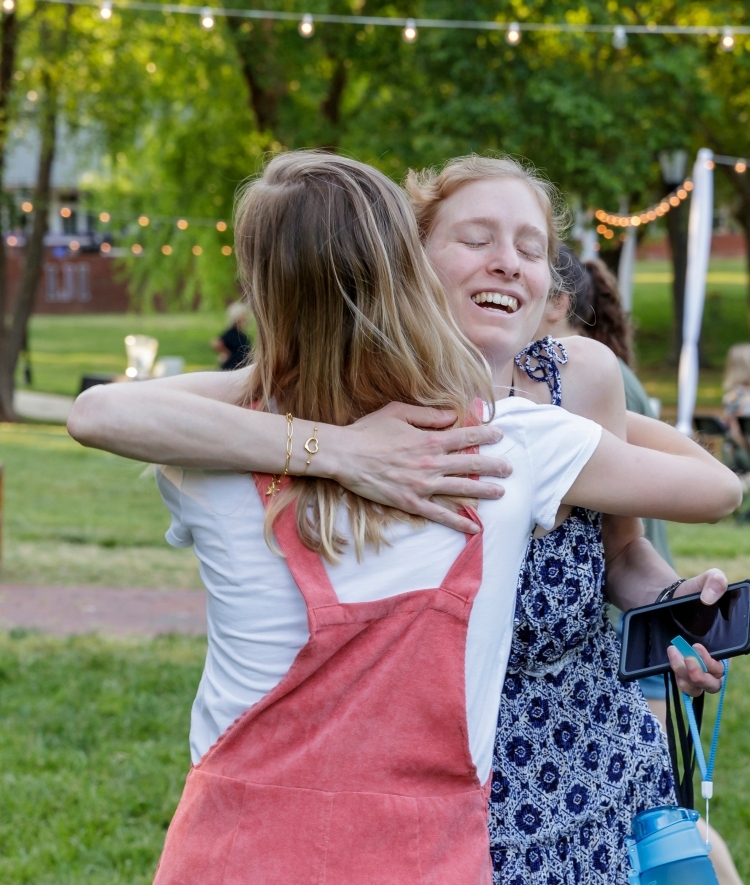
(666, 849)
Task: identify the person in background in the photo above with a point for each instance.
(234, 345)
(590, 305)
(736, 399)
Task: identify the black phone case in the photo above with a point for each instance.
(662, 628)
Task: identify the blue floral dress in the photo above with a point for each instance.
(577, 752)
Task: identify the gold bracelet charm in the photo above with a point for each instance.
(311, 445)
(275, 480)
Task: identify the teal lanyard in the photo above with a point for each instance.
(707, 771)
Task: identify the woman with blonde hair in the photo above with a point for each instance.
(344, 724)
(736, 399)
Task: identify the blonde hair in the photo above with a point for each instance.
(350, 316)
(429, 188)
(737, 372)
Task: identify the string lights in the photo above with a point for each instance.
(410, 31)
(609, 220)
(207, 19)
(513, 30)
(306, 27)
(657, 210)
(9, 5)
(105, 10)
(513, 36)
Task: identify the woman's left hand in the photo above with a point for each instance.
(691, 679)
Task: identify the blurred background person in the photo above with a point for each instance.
(233, 345)
(736, 399)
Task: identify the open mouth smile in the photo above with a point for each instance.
(496, 301)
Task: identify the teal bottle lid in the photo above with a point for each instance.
(655, 819)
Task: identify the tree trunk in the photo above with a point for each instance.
(34, 251)
(8, 40)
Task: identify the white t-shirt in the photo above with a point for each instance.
(257, 622)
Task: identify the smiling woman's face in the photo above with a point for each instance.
(488, 245)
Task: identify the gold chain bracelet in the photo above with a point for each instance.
(275, 480)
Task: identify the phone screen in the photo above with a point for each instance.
(721, 628)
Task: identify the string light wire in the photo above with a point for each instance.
(394, 22)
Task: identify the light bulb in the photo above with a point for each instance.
(65, 212)
(104, 216)
(619, 37)
(9, 5)
(136, 248)
(410, 31)
(105, 10)
(131, 371)
(740, 166)
(143, 221)
(688, 185)
(74, 245)
(674, 201)
(105, 247)
(12, 241)
(27, 207)
(727, 40)
(635, 220)
(600, 214)
(514, 34)
(221, 226)
(226, 250)
(207, 19)
(710, 164)
(196, 250)
(166, 250)
(306, 26)
(182, 224)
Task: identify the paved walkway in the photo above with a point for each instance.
(64, 611)
(42, 406)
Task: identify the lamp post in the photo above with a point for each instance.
(673, 165)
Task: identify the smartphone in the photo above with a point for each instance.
(647, 632)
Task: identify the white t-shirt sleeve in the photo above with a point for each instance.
(169, 481)
(558, 445)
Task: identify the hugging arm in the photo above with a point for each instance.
(195, 421)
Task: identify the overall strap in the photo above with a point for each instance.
(306, 567)
(464, 577)
(546, 353)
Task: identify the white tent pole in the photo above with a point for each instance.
(625, 270)
(699, 250)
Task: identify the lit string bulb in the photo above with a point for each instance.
(740, 166)
(221, 226)
(143, 221)
(306, 27)
(513, 36)
(410, 31)
(645, 217)
(727, 40)
(182, 224)
(105, 10)
(619, 37)
(9, 5)
(207, 19)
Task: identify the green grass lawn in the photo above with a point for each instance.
(79, 516)
(64, 348)
(93, 755)
(725, 322)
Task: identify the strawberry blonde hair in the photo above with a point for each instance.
(350, 316)
(429, 188)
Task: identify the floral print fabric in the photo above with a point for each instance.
(577, 752)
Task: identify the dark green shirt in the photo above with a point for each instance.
(636, 400)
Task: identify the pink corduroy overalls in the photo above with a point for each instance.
(355, 769)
